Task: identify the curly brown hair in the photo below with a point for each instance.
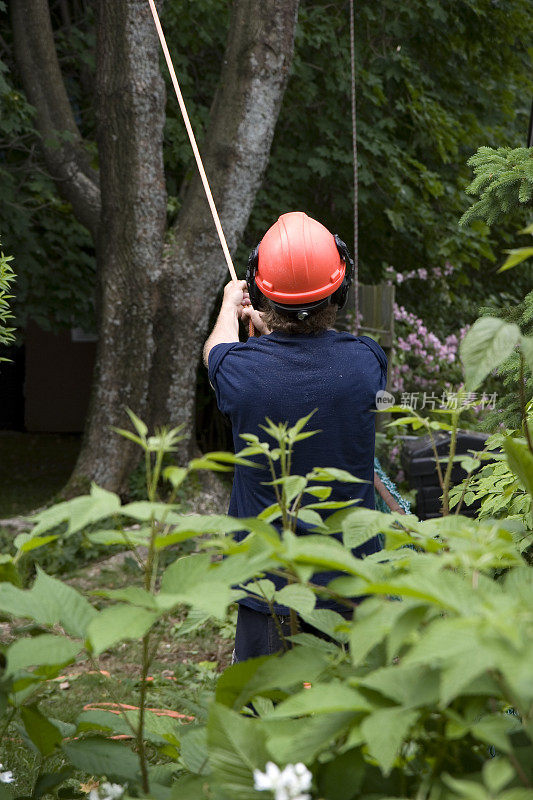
(317, 322)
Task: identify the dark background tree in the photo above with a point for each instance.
(152, 309)
(431, 88)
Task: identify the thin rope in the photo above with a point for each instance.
(355, 174)
(192, 140)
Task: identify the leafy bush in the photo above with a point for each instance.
(424, 692)
(503, 182)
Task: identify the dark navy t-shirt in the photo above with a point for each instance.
(285, 377)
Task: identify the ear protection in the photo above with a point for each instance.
(338, 297)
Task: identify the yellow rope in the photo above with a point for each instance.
(192, 140)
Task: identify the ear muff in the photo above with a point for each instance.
(251, 272)
(340, 295)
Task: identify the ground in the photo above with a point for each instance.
(33, 468)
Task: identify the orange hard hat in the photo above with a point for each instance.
(299, 264)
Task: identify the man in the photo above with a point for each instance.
(297, 279)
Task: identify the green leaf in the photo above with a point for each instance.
(292, 484)
(133, 595)
(25, 542)
(124, 538)
(263, 676)
(293, 432)
(138, 424)
(44, 735)
(322, 698)
(98, 756)
(341, 778)
(290, 741)
(8, 571)
(494, 732)
(50, 780)
(296, 596)
(497, 773)
(322, 492)
(48, 602)
(384, 730)
(310, 517)
(409, 686)
(145, 511)
(329, 622)
(176, 475)
(363, 524)
(231, 458)
(466, 790)
(320, 551)
(117, 624)
(193, 750)
(520, 461)
(191, 787)
(333, 474)
(236, 747)
(489, 341)
(79, 512)
(516, 256)
(45, 649)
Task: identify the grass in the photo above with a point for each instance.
(33, 468)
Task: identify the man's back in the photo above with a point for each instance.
(285, 377)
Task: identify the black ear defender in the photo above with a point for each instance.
(251, 272)
(340, 295)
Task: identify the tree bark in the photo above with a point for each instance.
(241, 127)
(66, 158)
(131, 116)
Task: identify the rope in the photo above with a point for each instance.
(192, 140)
(355, 174)
(198, 157)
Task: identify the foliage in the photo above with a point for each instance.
(418, 704)
(55, 257)
(519, 254)
(503, 182)
(396, 715)
(508, 411)
(424, 103)
(7, 276)
(498, 490)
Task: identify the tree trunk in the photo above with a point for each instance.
(241, 127)
(153, 308)
(131, 116)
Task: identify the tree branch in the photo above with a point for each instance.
(66, 158)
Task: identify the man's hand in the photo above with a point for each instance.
(236, 297)
(249, 312)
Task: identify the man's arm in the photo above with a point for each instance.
(235, 306)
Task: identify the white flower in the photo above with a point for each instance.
(107, 791)
(287, 784)
(7, 776)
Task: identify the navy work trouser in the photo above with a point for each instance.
(259, 634)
